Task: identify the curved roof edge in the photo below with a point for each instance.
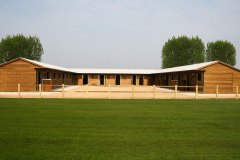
(198, 66)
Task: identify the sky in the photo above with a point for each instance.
(117, 33)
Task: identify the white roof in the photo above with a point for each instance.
(93, 71)
(123, 71)
(45, 65)
(114, 71)
(187, 67)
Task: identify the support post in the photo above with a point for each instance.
(175, 96)
(237, 92)
(109, 91)
(217, 92)
(19, 91)
(87, 91)
(154, 91)
(63, 95)
(196, 94)
(40, 90)
(132, 91)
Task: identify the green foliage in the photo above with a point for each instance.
(20, 46)
(68, 129)
(221, 50)
(182, 51)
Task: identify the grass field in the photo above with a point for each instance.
(119, 129)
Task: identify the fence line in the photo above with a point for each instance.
(132, 92)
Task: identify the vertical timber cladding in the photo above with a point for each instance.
(18, 72)
(93, 79)
(79, 79)
(110, 80)
(223, 76)
(126, 80)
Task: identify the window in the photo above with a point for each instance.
(117, 79)
(85, 79)
(47, 75)
(101, 79)
(199, 77)
(141, 80)
(134, 80)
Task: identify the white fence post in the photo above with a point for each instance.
(217, 92)
(63, 91)
(132, 91)
(175, 95)
(237, 92)
(109, 91)
(196, 94)
(154, 91)
(19, 91)
(87, 91)
(40, 90)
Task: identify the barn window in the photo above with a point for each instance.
(102, 79)
(47, 75)
(117, 79)
(134, 80)
(141, 80)
(199, 77)
(85, 79)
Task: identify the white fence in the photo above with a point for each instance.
(122, 92)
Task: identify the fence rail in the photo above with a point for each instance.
(119, 92)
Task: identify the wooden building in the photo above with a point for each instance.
(208, 75)
(31, 73)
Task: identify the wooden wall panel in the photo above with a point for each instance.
(110, 80)
(79, 79)
(147, 80)
(93, 79)
(126, 80)
(236, 79)
(221, 75)
(18, 72)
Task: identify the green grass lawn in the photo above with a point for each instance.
(119, 129)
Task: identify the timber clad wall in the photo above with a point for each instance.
(18, 72)
(109, 79)
(126, 80)
(79, 79)
(93, 80)
(220, 75)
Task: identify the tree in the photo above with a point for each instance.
(182, 51)
(20, 46)
(221, 50)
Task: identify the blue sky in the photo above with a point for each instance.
(117, 33)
